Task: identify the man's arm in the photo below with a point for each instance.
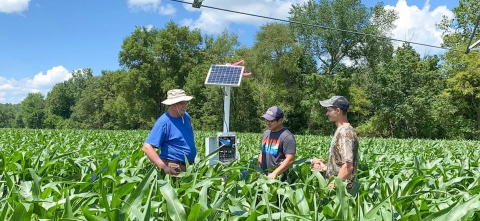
(259, 161)
(346, 152)
(155, 159)
(345, 170)
(287, 163)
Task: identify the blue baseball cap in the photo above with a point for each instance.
(273, 113)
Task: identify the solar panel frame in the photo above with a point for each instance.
(224, 75)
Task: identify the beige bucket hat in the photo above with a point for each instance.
(176, 95)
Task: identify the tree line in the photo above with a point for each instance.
(394, 92)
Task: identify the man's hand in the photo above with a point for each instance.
(259, 161)
(287, 163)
(318, 165)
(169, 170)
(155, 159)
(272, 175)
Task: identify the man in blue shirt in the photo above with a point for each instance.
(173, 135)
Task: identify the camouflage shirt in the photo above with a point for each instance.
(344, 148)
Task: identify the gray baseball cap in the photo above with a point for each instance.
(336, 101)
(273, 113)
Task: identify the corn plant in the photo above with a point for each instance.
(104, 175)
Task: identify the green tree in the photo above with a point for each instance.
(321, 87)
(464, 89)
(33, 111)
(65, 95)
(279, 65)
(157, 60)
(462, 69)
(95, 106)
(330, 47)
(402, 95)
(7, 115)
(59, 100)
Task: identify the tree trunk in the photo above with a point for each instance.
(478, 122)
(391, 128)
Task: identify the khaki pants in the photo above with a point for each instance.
(176, 165)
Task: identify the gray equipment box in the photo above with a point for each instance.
(226, 143)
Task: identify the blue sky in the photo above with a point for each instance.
(42, 41)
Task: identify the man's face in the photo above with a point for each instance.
(333, 113)
(274, 125)
(181, 107)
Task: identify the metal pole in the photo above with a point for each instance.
(226, 109)
(473, 34)
(473, 45)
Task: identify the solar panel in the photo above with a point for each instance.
(225, 75)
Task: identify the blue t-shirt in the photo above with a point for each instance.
(174, 138)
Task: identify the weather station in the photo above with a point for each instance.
(225, 76)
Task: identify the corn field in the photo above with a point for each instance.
(104, 175)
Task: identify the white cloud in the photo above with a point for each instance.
(167, 10)
(146, 5)
(151, 6)
(348, 62)
(215, 21)
(418, 25)
(186, 22)
(6, 87)
(54, 75)
(414, 23)
(149, 27)
(14, 91)
(13, 6)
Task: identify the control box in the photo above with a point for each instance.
(226, 144)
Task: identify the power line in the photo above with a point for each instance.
(321, 26)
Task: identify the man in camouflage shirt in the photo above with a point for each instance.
(343, 153)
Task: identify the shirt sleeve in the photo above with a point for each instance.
(157, 135)
(289, 145)
(346, 147)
